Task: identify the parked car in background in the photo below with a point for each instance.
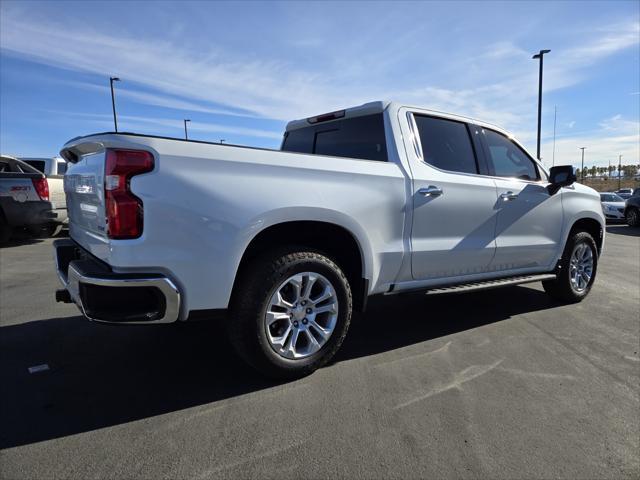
(379, 199)
(54, 169)
(612, 206)
(625, 192)
(55, 166)
(632, 210)
(25, 199)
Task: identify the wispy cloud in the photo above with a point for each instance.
(275, 88)
(168, 126)
(617, 123)
(166, 101)
(268, 88)
(303, 73)
(615, 136)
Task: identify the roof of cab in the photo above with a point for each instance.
(378, 107)
(359, 111)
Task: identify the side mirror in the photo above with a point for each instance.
(561, 176)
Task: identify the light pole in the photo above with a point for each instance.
(555, 116)
(582, 167)
(619, 168)
(185, 128)
(222, 140)
(113, 101)
(540, 56)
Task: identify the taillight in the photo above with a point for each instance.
(123, 209)
(42, 188)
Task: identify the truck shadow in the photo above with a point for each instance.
(101, 376)
(623, 230)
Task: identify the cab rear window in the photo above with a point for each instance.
(357, 137)
(39, 164)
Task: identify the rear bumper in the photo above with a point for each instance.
(22, 214)
(105, 296)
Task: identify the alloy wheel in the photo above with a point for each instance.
(301, 315)
(581, 267)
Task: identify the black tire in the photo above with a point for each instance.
(632, 216)
(5, 231)
(562, 288)
(252, 293)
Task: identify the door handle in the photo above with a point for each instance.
(508, 196)
(431, 191)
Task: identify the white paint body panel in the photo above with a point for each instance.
(204, 203)
(454, 233)
(529, 228)
(54, 171)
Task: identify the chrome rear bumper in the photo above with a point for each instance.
(105, 296)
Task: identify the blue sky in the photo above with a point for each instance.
(240, 70)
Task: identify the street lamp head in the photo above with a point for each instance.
(114, 79)
(187, 120)
(541, 53)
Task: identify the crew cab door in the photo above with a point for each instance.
(530, 220)
(454, 216)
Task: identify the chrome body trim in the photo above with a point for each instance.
(72, 280)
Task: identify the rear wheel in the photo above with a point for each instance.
(632, 216)
(577, 270)
(290, 313)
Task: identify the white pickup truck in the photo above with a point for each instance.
(54, 169)
(378, 199)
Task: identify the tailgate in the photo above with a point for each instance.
(19, 187)
(84, 189)
(56, 191)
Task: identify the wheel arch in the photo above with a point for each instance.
(336, 241)
(590, 225)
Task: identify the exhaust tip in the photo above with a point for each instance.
(63, 296)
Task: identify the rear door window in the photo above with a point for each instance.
(446, 144)
(357, 137)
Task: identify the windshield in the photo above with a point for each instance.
(610, 197)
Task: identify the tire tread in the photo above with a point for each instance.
(560, 288)
(254, 285)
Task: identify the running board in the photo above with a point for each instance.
(489, 284)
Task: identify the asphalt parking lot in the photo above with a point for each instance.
(497, 384)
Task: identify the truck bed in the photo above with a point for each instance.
(204, 202)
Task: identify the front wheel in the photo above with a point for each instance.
(577, 270)
(290, 312)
